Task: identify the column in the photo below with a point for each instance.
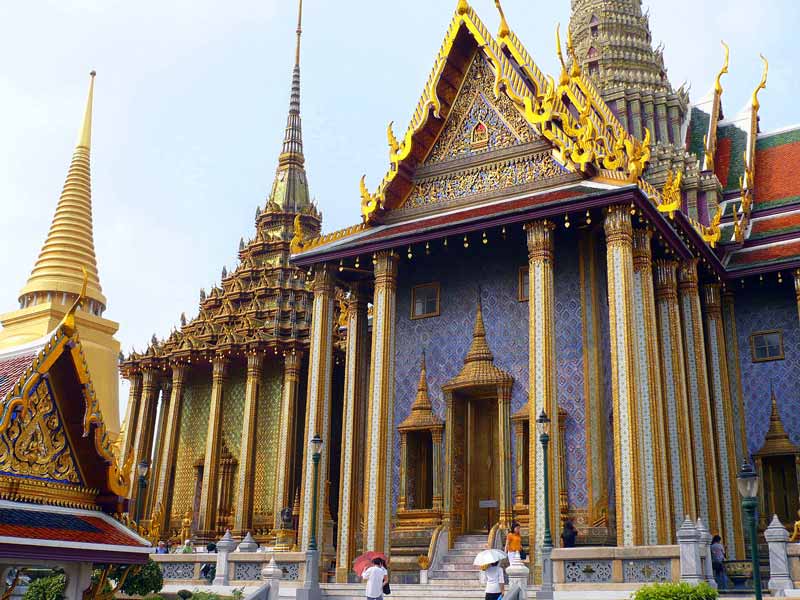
(593, 376)
(705, 460)
(436, 438)
(287, 442)
(143, 444)
(619, 245)
(450, 519)
(206, 521)
(380, 419)
(731, 516)
(318, 403)
(543, 380)
(355, 390)
(149, 507)
(519, 463)
(401, 498)
(734, 371)
(676, 401)
(503, 448)
(132, 418)
(243, 518)
(650, 424)
(170, 446)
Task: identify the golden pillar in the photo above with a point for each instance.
(169, 450)
(734, 370)
(594, 390)
(503, 448)
(436, 439)
(705, 460)
(519, 464)
(206, 521)
(243, 517)
(731, 516)
(318, 404)
(132, 417)
(651, 440)
(676, 401)
(380, 420)
(149, 507)
(355, 390)
(143, 444)
(287, 442)
(619, 247)
(543, 380)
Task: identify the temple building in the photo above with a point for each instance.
(593, 246)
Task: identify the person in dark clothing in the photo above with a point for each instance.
(569, 534)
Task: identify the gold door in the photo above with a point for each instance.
(483, 472)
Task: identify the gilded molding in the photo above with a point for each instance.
(209, 488)
(284, 466)
(243, 515)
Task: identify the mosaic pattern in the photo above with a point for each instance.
(232, 414)
(191, 442)
(759, 310)
(269, 406)
(177, 570)
(504, 125)
(246, 571)
(588, 571)
(291, 571)
(605, 335)
(647, 571)
(731, 350)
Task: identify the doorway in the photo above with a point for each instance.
(483, 472)
(780, 487)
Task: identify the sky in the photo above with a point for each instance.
(190, 107)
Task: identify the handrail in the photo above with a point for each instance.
(434, 552)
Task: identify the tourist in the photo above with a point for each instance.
(495, 579)
(718, 562)
(186, 548)
(514, 544)
(376, 577)
(569, 534)
(162, 548)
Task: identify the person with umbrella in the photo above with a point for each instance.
(493, 577)
(376, 577)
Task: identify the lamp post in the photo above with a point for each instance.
(316, 449)
(546, 589)
(747, 482)
(141, 470)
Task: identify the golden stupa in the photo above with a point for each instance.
(57, 279)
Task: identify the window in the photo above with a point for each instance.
(522, 284)
(766, 345)
(425, 301)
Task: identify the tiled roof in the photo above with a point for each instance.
(777, 224)
(12, 368)
(698, 126)
(769, 254)
(729, 162)
(778, 170)
(42, 525)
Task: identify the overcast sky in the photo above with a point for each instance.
(190, 105)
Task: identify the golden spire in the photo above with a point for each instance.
(69, 247)
(422, 401)
(290, 188)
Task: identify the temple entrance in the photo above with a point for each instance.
(481, 449)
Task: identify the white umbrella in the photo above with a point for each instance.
(488, 557)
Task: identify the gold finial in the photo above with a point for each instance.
(85, 137)
(762, 85)
(576, 67)
(394, 145)
(723, 70)
(504, 29)
(299, 33)
(463, 7)
(564, 76)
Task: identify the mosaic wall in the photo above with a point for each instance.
(605, 335)
(191, 441)
(269, 414)
(232, 412)
(761, 309)
(446, 339)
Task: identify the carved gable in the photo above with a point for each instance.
(479, 122)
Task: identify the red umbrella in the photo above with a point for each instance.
(364, 561)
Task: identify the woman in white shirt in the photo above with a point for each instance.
(495, 580)
(375, 576)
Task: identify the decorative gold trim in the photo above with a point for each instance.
(753, 335)
(522, 286)
(433, 284)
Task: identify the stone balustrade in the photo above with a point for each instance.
(244, 568)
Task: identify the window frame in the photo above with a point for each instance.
(523, 291)
(432, 284)
(755, 334)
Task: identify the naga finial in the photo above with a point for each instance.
(575, 70)
(723, 70)
(394, 145)
(762, 85)
(564, 76)
(463, 7)
(504, 29)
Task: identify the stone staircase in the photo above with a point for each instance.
(456, 566)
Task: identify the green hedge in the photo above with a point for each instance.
(47, 588)
(676, 591)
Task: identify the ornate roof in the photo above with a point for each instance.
(422, 416)
(479, 368)
(776, 440)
